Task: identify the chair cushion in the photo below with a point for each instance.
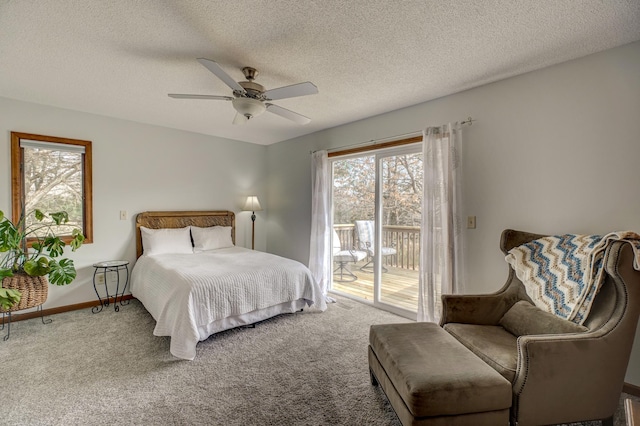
(364, 228)
(349, 256)
(388, 251)
(524, 318)
(434, 374)
(491, 343)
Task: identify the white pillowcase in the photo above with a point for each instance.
(211, 238)
(166, 241)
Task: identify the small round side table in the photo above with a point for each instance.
(110, 266)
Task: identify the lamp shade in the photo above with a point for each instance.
(252, 204)
(248, 107)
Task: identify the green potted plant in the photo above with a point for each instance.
(29, 253)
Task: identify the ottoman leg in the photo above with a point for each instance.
(374, 381)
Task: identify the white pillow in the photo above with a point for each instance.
(211, 238)
(166, 240)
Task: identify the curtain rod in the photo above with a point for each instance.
(468, 121)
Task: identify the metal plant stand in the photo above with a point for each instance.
(8, 315)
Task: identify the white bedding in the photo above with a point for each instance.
(192, 296)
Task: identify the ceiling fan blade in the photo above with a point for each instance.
(181, 96)
(283, 112)
(240, 119)
(221, 74)
(300, 89)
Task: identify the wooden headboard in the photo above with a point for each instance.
(203, 219)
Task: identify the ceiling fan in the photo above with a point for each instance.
(250, 99)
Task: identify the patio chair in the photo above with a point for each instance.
(342, 258)
(366, 231)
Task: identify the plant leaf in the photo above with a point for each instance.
(62, 272)
(39, 215)
(78, 239)
(59, 217)
(37, 268)
(4, 273)
(54, 245)
(9, 236)
(9, 297)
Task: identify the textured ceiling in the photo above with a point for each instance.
(120, 58)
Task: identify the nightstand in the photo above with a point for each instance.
(103, 268)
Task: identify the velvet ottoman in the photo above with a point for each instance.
(432, 379)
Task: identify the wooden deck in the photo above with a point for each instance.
(399, 286)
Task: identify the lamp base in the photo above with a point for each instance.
(253, 230)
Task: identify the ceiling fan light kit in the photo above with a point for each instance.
(248, 107)
(249, 98)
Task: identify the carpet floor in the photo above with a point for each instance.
(308, 368)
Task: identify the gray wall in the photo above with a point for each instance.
(552, 151)
(138, 167)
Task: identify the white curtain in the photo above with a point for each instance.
(441, 251)
(320, 262)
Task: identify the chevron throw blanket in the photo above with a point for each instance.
(563, 273)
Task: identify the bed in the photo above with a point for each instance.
(196, 283)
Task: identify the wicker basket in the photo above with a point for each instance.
(34, 290)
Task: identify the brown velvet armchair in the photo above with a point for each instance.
(564, 376)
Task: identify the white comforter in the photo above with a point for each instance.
(192, 295)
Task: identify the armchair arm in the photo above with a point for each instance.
(576, 375)
(485, 309)
(482, 309)
(354, 254)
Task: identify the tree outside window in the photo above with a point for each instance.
(354, 189)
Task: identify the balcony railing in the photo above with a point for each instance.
(405, 239)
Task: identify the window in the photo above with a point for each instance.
(52, 174)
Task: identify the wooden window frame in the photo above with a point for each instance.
(374, 147)
(17, 178)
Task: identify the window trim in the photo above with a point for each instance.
(375, 147)
(17, 178)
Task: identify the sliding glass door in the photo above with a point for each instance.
(377, 199)
(401, 207)
(354, 183)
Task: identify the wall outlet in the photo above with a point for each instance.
(112, 276)
(471, 222)
(99, 278)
